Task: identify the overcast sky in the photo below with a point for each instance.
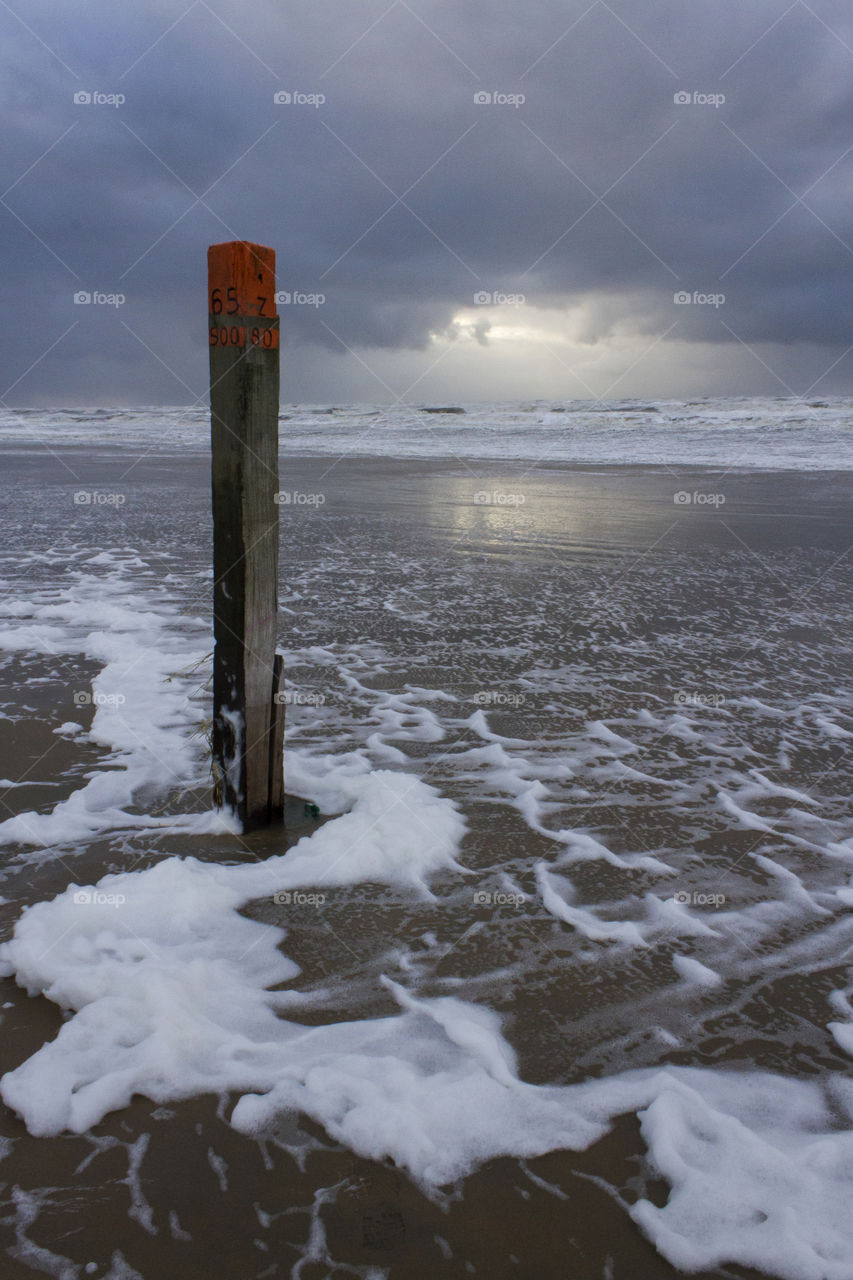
(578, 166)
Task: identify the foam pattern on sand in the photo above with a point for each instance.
(563, 842)
(171, 983)
(172, 989)
(144, 702)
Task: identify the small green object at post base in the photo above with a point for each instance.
(248, 712)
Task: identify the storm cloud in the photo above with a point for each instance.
(482, 199)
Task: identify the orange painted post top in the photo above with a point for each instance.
(241, 279)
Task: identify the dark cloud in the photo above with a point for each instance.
(401, 197)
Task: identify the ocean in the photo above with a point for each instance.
(727, 433)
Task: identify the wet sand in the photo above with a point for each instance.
(174, 1190)
(481, 507)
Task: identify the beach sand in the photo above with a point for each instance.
(555, 599)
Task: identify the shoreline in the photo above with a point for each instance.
(437, 461)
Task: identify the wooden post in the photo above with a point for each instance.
(248, 714)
